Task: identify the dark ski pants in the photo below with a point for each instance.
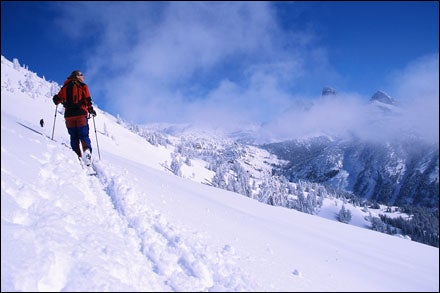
(78, 129)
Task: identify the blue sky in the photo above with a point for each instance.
(228, 62)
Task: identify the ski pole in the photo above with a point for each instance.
(96, 135)
(54, 120)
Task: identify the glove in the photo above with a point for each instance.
(56, 100)
(92, 112)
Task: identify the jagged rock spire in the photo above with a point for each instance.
(326, 91)
(382, 97)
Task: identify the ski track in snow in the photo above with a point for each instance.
(110, 200)
(162, 244)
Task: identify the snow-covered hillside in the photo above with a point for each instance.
(137, 226)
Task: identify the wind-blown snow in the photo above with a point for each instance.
(136, 227)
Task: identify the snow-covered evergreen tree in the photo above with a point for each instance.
(344, 215)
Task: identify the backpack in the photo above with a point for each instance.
(74, 95)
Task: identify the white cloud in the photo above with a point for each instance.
(415, 89)
(228, 64)
(417, 86)
(171, 49)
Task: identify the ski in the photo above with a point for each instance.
(89, 170)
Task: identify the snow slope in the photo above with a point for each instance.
(136, 227)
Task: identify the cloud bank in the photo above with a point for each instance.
(415, 114)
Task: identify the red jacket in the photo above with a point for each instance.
(75, 97)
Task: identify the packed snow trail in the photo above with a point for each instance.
(170, 253)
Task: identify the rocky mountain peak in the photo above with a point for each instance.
(326, 91)
(382, 97)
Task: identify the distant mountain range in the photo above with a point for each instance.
(403, 172)
(400, 174)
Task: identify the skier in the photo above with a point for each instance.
(75, 97)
